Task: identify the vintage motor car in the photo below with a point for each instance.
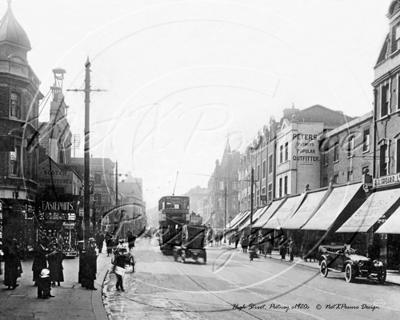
(193, 243)
(345, 259)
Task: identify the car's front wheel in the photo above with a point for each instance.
(349, 273)
(381, 276)
(323, 270)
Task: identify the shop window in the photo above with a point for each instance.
(366, 140)
(15, 105)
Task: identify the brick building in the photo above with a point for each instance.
(19, 101)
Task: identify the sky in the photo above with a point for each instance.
(182, 76)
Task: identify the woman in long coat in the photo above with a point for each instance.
(91, 260)
(282, 248)
(12, 265)
(55, 266)
(39, 260)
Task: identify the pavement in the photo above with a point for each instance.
(71, 301)
(393, 276)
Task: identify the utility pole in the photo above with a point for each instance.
(251, 197)
(86, 190)
(225, 213)
(116, 194)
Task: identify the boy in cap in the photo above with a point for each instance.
(44, 285)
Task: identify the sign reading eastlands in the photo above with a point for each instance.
(386, 181)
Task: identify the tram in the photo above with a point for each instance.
(173, 213)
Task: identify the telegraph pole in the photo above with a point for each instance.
(86, 190)
(251, 197)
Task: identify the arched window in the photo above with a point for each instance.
(15, 105)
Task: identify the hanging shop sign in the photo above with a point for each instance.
(386, 181)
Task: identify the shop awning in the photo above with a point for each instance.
(333, 206)
(305, 212)
(371, 210)
(392, 225)
(242, 218)
(234, 220)
(267, 214)
(284, 212)
(256, 216)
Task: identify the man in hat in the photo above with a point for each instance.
(91, 260)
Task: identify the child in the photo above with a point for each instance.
(44, 285)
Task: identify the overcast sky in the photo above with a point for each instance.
(183, 75)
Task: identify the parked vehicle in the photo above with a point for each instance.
(343, 258)
(193, 243)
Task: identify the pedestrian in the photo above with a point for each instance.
(12, 264)
(131, 239)
(237, 239)
(60, 240)
(252, 247)
(40, 252)
(244, 242)
(44, 285)
(210, 237)
(282, 247)
(269, 246)
(100, 241)
(91, 261)
(120, 262)
(109, 244)
(291, 249)
(55, 259)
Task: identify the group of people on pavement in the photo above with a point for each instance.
(263, 244)
(47, 265)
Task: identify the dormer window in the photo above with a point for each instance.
(15, 105)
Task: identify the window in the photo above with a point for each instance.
(15, 158)
(286, 151)
(383, 160)
(350, 176)
(97, 178)
(397, 155)
(286, 185)
(325, 154)
(270, 192)
(221, 185)
(280, 154)
(396, 38)
(258, 172)
(270, 163)
(366, 140)
(258, 197)
(15, 107)
(97, 198)
(350, 147)
(385, 98)
(324, 181)
(335, 178)
(263, 169)
(280, 187)
(336, 152)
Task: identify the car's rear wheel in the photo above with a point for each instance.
(323, 270)
(381, 276)
(349, 273)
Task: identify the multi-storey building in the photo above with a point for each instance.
(19, 101)
(286, 156)
(221, 203)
